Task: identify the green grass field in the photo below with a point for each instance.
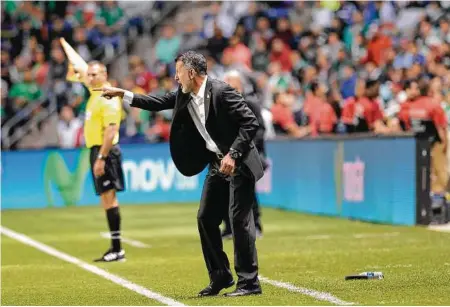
(306, 251)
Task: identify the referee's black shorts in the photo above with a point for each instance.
(113, 177)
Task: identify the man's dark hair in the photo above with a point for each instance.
(193, 60)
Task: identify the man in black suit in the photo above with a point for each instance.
(235, 79)
(213, 125)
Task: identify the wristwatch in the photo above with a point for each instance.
(234, 154)
(101, 157)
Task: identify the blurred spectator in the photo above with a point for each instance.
(28, 90)
(82, 45)
(279, 80)
(363, 112)
(6, 110)
(84, 14)
(136, 12)
(216, 44)
(260, 58)
(281, 54)
(323, 67)
(284, 31)
(209, 20)
(321, 117)
(249, 19)
(322, 15)
(359, 49)
(112, 16)
(111, 21)
(138, 121)
(444, 29)
(283, 117)
(353, 30)
(160, 131)
(60, 28)
(140, 73)
(238, 52)
(215, 70)
(301, 13)
(6, 64)
(168, 45)
(331, 49)
(229, 15)
(377, 45)
(79, 95)
(70, 129)
(427, 119)
(17, 70)
(191, 39)
(263, 29)
(348, 82)
(26, 31)
(57, 76)
(40, 67)
(446, 107)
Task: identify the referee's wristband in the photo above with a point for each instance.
(101, 157)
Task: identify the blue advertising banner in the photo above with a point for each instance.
(370, 179)
(57, 178)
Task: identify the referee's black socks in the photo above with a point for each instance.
(113, 216)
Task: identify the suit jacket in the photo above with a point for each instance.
(255, 106)
(229, 122)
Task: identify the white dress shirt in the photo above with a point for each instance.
(196, 109)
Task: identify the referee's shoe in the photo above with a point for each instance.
(111, 256)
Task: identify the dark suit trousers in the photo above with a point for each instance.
(256, 216)
(219, 197)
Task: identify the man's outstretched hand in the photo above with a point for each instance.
(110, 92)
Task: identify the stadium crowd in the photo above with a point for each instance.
(317, 68)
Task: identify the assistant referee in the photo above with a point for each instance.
(101, 131)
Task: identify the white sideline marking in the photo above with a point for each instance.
(132, 242)
(443, 228)
(89, 267)
(322, 296)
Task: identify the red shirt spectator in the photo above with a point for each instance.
(376, 48)
(321, 115)
(424, 117)
(143, 80)
(361, 113)
(161, 128)
(282, 117)
(140, 72)
(328, 119)
(281, 53)
(239, 52)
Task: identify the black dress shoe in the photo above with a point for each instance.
(215, 287)
(244, 292)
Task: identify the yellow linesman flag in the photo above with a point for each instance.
(76, 62)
